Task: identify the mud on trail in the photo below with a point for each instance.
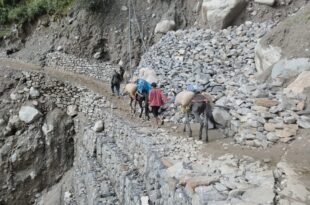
(296, 153)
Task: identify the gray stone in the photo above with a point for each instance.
(97, 55)
(221, 116)
(272, 137)
(265, 57)
(28, 114)
(72, 110)
(34, 93)
(164, 26)
(288, 68)
(215, 13)
(15, 96)
(304, 122)
(99, 126)
(268, 2)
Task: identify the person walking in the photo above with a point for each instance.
(116, 82)
(156, 100)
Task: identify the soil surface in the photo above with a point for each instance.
(292, 35)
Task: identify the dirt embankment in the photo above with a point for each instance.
(292, 35)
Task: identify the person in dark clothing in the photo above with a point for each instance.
(116, 82)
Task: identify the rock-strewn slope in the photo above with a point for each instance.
(223, 64)
(36, 139)
(144, 163)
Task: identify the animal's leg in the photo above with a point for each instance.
(141, 107)
(130, 104)
(112, 88)
(189, 125)
(146, 106)
(206, 119)
(118, 86)
(135, 107)
(200, 129)
(184, 129)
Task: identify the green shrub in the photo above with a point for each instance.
(18, 14)
(3, 15)
(29, 10)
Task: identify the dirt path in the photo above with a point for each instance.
(296, 153)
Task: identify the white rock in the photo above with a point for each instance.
(34, 92)
(47, 128)
(219, 14)
(2, 122)
(266, 57)
(28, 114)
(144, 200)
(15, 96)
(268, 2)
(72, 110)
(59, 48)
(124, 8)
(99, 126)
(164, 26)
(97, 55)
(304, 122)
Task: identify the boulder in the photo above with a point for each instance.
(300, 84)
(28, 114)
(34, 93)
(164, 26)
(289, 68)
(99, 126)
(267, 2)
(304, 122)
(219, 14)
(72, 110)
(266, 56)
(221, 116)
(265, 102)
(288, 131)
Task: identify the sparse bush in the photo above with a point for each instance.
(18, 14)
(29, 10)
(93, 5)
(3, 15)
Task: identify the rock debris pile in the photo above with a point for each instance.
(223, 64)
(62, 61)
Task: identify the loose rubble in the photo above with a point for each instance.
(223, 64)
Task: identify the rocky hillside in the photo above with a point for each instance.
(65, 140)
(104, 34)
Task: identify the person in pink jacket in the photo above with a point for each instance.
(156, 100)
